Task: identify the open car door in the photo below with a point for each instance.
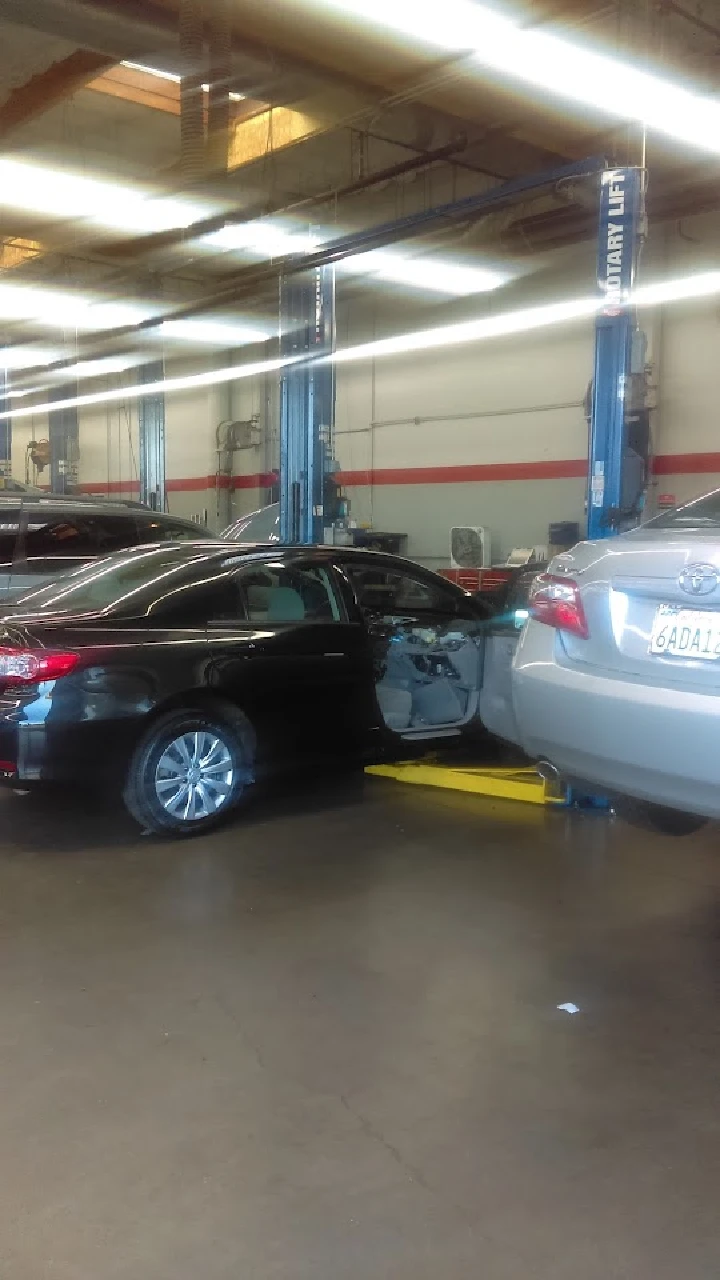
(427, 642)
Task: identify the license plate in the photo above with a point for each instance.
(686, 633)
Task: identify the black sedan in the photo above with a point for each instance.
(186, 670)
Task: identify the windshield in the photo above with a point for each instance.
(702, 513)
(118, 580)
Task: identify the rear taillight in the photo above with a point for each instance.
(556, 602)
(29, 666)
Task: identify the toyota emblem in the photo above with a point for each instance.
(699, 579)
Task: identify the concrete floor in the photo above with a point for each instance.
(324, 1044)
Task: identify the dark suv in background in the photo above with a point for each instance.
(44, 535)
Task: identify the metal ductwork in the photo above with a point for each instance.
(192, 115)
(220, 49)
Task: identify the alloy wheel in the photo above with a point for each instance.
(194, 776)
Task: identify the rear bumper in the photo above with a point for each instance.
(659, 745)
(40, 748)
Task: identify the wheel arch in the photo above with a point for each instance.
(203, 700)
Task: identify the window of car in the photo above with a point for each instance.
(129, 583)
(702, 513)
(189, 603)
(153, 527)
(55, 540)
(276, 592)
(379, 589)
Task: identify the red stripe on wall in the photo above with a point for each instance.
(262, 480)
(112, 486)
(197, 482)
(686, 464)
(186, 485)
(671, 464)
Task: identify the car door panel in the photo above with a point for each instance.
(300, 679)
(427, 646)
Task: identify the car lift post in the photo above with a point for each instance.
(621, 233)
(5, 430)
(151, 431)
(64, 437)
(307, 401)
(620, 238)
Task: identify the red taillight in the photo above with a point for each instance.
(556, 602)
(29, 666)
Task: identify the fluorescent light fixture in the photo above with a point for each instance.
(450, 335)
(55, 193)
(525, 320)
(434, 274)
(60, 309)
(262, 238)
(701, 285)
(157, 72)
(83, 369)
(219, 333)
(172, 75)
(26, 357)
(57, 308)
(565, 69)
(163, 385)
(99, 368)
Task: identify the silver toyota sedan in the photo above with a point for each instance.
(616, 676)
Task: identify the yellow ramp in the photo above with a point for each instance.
(503, 784)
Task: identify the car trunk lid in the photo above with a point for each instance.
(652, 602)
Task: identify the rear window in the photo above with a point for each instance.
(157, 527)
(117, 580)
(63, 538)
(700, 514)
(58, 540)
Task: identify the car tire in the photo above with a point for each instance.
(656, 818)
(192, 768)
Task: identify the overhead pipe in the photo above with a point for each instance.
(414, 224)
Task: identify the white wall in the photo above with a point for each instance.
(511, 403)
(518, 401)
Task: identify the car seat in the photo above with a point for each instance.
(395, 705)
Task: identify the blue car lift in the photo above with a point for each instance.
(621, 233)
(610, 499)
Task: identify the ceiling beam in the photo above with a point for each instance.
(49, 87)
